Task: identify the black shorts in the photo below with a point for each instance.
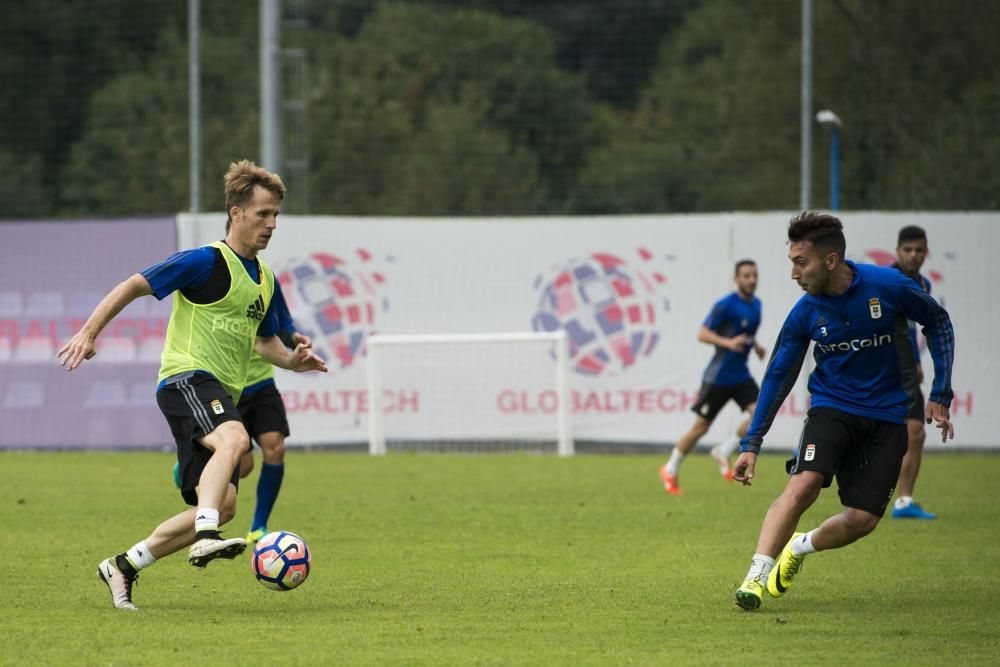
(263, 411)
(713, 397)
(915, 408)
(864, 455)
(194, 407)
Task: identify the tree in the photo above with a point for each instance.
(56, 54)
(133, 156)
(387, 94)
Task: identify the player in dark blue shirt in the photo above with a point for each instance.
(856, 317)
(263, 412)
(911, 251)
(731, 327)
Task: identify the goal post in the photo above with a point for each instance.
(469, 388)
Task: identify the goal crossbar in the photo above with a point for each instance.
(377, 342)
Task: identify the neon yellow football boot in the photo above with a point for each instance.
(784, 571)
(750, 594)
(254, 535)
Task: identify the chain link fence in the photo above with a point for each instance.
(517, 107)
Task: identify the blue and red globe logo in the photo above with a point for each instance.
(334, 300)
(607, 308)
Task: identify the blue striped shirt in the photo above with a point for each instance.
(862, 350)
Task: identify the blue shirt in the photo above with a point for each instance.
(862, 350)
(731, 316)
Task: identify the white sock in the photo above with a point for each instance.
(139, 556)
(760, 566)
(674, 464)
(207, 518)
(726, 448)
(729, 446)
(903, 501)
(804, 544)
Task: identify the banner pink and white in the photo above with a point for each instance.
(631, 292)
(54, 273)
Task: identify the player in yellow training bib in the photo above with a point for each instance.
(222, 314)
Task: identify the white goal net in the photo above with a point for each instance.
(469, 393)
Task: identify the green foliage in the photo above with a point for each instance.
(133, 157)
(912, 84)
(458, 560)
(470, 107)
(388, 93)
(717, 127)
(612, 44)
(56, 54)
(22, 186)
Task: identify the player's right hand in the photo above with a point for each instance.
(77, 349)
(744, 469)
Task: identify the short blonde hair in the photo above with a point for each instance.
(242, 177)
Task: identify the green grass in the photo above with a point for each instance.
(435, 560)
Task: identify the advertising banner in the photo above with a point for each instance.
(54, 273)
(631, 292)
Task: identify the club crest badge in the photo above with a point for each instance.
(810, 453)
(875, 308)
(217, 407)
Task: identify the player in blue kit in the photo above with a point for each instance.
(856, 315)
(730, 327)
(911, 251)
(262, 411)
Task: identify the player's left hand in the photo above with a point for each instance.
(940, 414)
(304, 359)
(302, 339)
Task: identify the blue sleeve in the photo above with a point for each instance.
(915, 343)
(286, 325)
(187, 268)
(914, 334)
(717, 315)
(285, 322)
(779, 378)
(921, 307)
(269, 325)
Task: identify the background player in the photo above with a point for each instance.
(911, 251)
(262, 411)
(221, 313)
(856, 314)
(730, 327)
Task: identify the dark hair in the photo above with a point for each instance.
(911, 233)
(821, 229)
(742, 263)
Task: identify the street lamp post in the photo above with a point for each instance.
(832, 121)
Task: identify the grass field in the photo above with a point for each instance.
(453, 560)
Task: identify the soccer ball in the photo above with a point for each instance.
(281, 561)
